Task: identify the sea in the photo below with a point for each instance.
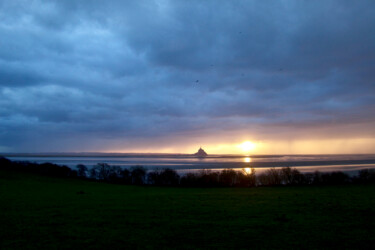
(184, 163)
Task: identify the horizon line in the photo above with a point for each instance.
(130, 153)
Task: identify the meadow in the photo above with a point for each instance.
(57, 213)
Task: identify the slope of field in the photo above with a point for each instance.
(42, 212)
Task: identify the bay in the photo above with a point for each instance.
(183, 163)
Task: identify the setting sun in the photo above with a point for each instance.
(247, 146)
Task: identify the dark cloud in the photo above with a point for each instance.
(111, 74)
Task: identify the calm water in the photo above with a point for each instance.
(186, 163)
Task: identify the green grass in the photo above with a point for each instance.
(41, 212)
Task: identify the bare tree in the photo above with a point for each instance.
(82, 170)
(138, 174)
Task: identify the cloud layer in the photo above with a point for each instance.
(146, 75)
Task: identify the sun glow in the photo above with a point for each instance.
(247, 146)
(247, 159)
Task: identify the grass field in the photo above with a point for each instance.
(43, 212)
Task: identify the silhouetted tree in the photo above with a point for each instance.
(365, 176)
(5, 163)
(169, 177)
(270, 177)
(125, 176)
(163, 177)
(93, 173)
(298, 178)
(50, 169)
(207, 178)
(82, 170)
(115, 174)
(153, 177)
(308, 178)
(317, 178)
(252, 177)
(287, 175)
(275, 176)
(246, 179)
(263, 180)
(203, 178)
(104, 171)
(190, 180)
(337, 178)
(138, 174)
(228, 177)
(291, 176)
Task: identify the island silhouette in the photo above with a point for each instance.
(201, 153)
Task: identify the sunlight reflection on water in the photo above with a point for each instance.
(247, 159)
(247, 170)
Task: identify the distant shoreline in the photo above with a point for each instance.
(98, 154)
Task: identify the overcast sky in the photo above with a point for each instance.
(170, 76)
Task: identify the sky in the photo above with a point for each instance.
(290, 77)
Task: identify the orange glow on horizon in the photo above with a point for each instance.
(276, 147)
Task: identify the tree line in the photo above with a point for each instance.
(138, 175)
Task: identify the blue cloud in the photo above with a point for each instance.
(82, 72)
